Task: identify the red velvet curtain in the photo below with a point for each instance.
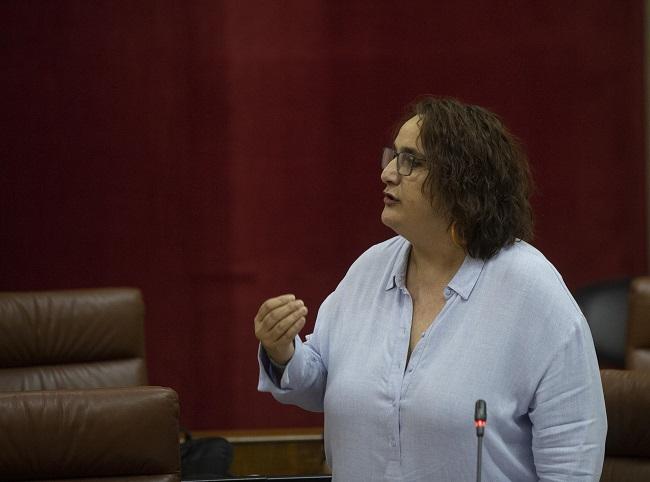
(218, 153)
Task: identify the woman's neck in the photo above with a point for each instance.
(435, 261)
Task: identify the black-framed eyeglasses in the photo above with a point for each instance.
(405, 161)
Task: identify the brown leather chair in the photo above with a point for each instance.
(638, 325)
(72, 404)
(605, 306)
(627, 451)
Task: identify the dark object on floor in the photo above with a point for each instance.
(204, 458)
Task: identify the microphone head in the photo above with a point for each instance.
(480, 411)
(480, 417)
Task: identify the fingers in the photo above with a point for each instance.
(272, 326)
(282, 350)
(276, 310)
(293, 330)
(287, 321)
(279, 320)
(271, 304)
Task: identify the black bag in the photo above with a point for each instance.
(204, 458)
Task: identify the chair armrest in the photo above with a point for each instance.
(638, 325)
(627, 400)
(81, 433)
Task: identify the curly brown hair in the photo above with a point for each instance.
(478, 174)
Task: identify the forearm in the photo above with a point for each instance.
(302, 382)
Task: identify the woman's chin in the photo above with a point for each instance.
(389, 221)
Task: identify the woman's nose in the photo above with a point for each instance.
(390, 174)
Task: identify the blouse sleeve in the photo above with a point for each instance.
(304, 378)
(569, 423)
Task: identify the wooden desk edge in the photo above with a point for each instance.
(300, 434)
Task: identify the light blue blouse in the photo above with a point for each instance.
(510, 333)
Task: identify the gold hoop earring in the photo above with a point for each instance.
(454, 236)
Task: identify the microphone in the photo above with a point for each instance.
(480, 418)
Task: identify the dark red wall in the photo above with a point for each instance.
(215, 154)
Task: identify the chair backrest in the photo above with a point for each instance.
(627, 451)
(605, 306)
(116, 434)
(638, 335)
(71, 339)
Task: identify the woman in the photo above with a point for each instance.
(457, 307)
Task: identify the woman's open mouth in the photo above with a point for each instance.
(389, 199)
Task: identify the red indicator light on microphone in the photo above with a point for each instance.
(479, 423)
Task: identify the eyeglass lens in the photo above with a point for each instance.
(403, 160)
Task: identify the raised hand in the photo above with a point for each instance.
(277, 323)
